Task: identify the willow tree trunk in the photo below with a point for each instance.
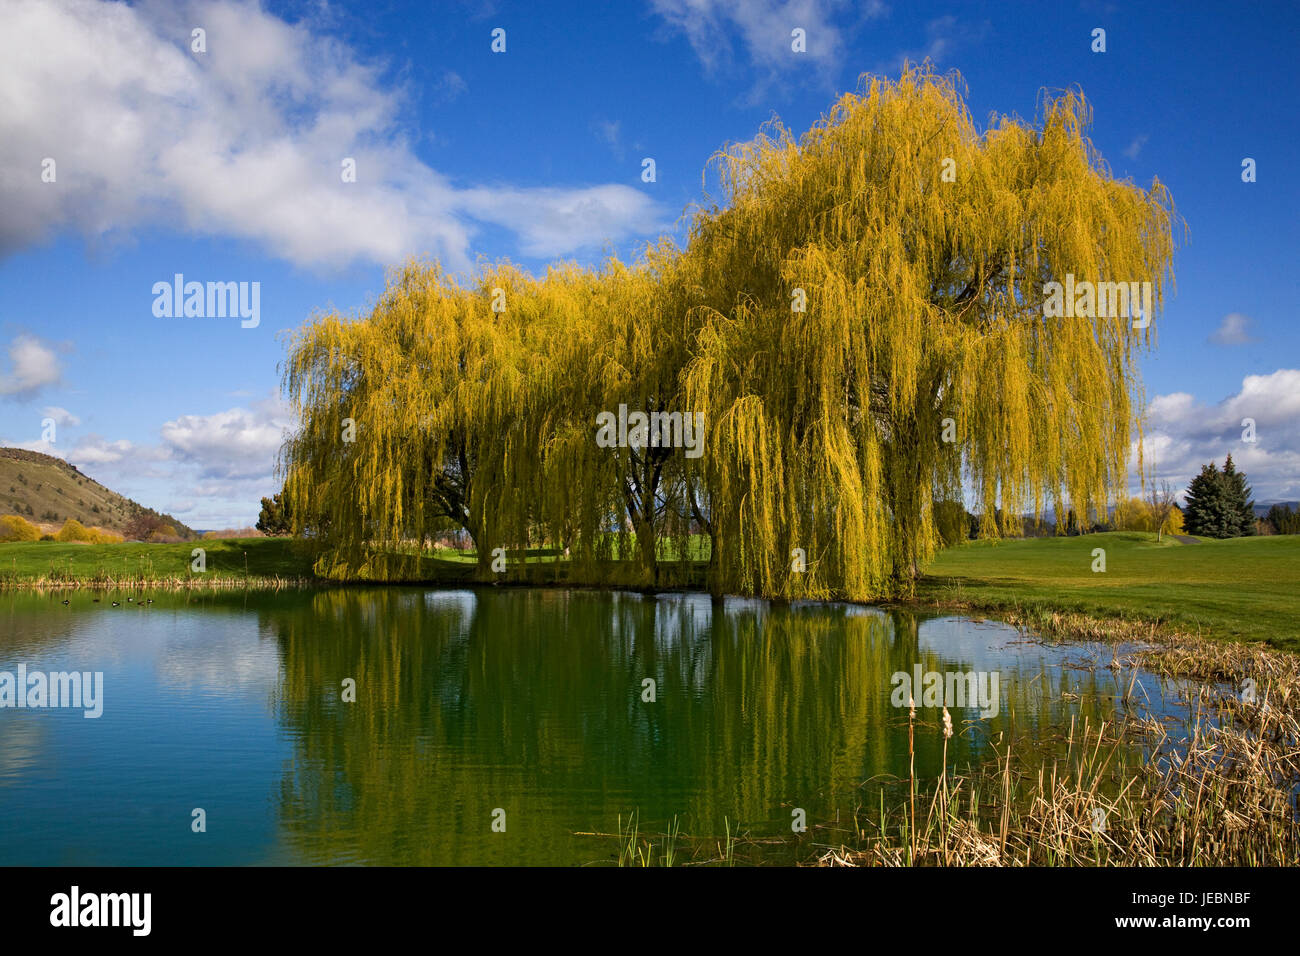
(906, 473)
(483, 554)
(648, 546)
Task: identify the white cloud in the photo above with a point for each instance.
(245, 140)
(32, 364)
(1183, 434)
(94, 450)
(1135, 147)
(609, 131)
(943, 35)
(239, 443)
(1233, 330)
(211, 470)
(549, 222)
(763, 29)
(449, 86)
(61, 416)
(939, 34)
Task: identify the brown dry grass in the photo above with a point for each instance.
(1219, 790)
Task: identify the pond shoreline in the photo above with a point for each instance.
(1229, 590)
(1041, 616)
(1170, 650)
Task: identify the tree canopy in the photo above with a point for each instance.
(859, 324)
(274, 518)
(1219, 503)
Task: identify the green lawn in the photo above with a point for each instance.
(266, 557)
(226, 559)
(1240, 589)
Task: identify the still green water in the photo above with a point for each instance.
(467, 703)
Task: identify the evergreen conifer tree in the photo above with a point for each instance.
(1239, 500)
(1208, 513)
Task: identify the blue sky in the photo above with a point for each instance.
(224, 165)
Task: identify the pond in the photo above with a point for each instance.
(490, 726)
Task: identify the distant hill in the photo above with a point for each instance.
(47, 491)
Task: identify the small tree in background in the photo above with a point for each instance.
(275, 520)
(141, 526)
(1162, 504)
(1283, 520)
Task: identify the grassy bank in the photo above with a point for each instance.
(229, 562)
(1237, 589)
(275, 562)
(1243, 589)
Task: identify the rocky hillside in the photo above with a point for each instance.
(47, 491)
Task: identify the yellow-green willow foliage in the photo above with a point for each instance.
(410, 418)
(640, 341)
(861, 323)
(924, 302)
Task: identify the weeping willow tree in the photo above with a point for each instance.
(866, 323)
(411, 419)
(920, 252)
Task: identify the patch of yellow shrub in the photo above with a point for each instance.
(18, 528)
(74, 531)
(1134, 514)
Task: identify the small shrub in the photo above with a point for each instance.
(16, 528)
(1133, 514)
(74, 531)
